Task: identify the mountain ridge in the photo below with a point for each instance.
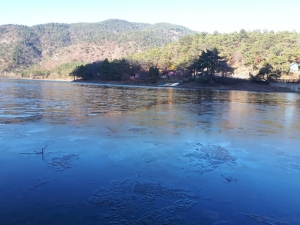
(23, 46)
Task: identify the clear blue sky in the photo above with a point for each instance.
(199, 15)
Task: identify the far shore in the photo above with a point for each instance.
(244, 85)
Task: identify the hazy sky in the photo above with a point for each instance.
(199, 15)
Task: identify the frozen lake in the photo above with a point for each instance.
(74, 153)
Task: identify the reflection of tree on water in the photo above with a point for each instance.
(14, 108)
(208, 104)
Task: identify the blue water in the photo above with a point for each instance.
(74, 153)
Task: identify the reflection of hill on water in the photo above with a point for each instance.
(19, 119)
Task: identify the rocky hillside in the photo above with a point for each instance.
(47, 46)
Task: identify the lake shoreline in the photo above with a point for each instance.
(245, 85)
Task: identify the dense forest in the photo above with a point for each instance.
(245, 51)
(55, 50)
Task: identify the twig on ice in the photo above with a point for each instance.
(35, 153)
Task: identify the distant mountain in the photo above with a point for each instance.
(50, 45)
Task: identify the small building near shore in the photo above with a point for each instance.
(294, 67)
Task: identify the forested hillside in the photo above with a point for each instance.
(245, 51)
(20, 46)
(47, 46)
(56, 49)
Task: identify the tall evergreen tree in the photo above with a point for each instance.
(208, 62)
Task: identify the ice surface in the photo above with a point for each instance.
(63, 162)
(130, 202)
(127, 155)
